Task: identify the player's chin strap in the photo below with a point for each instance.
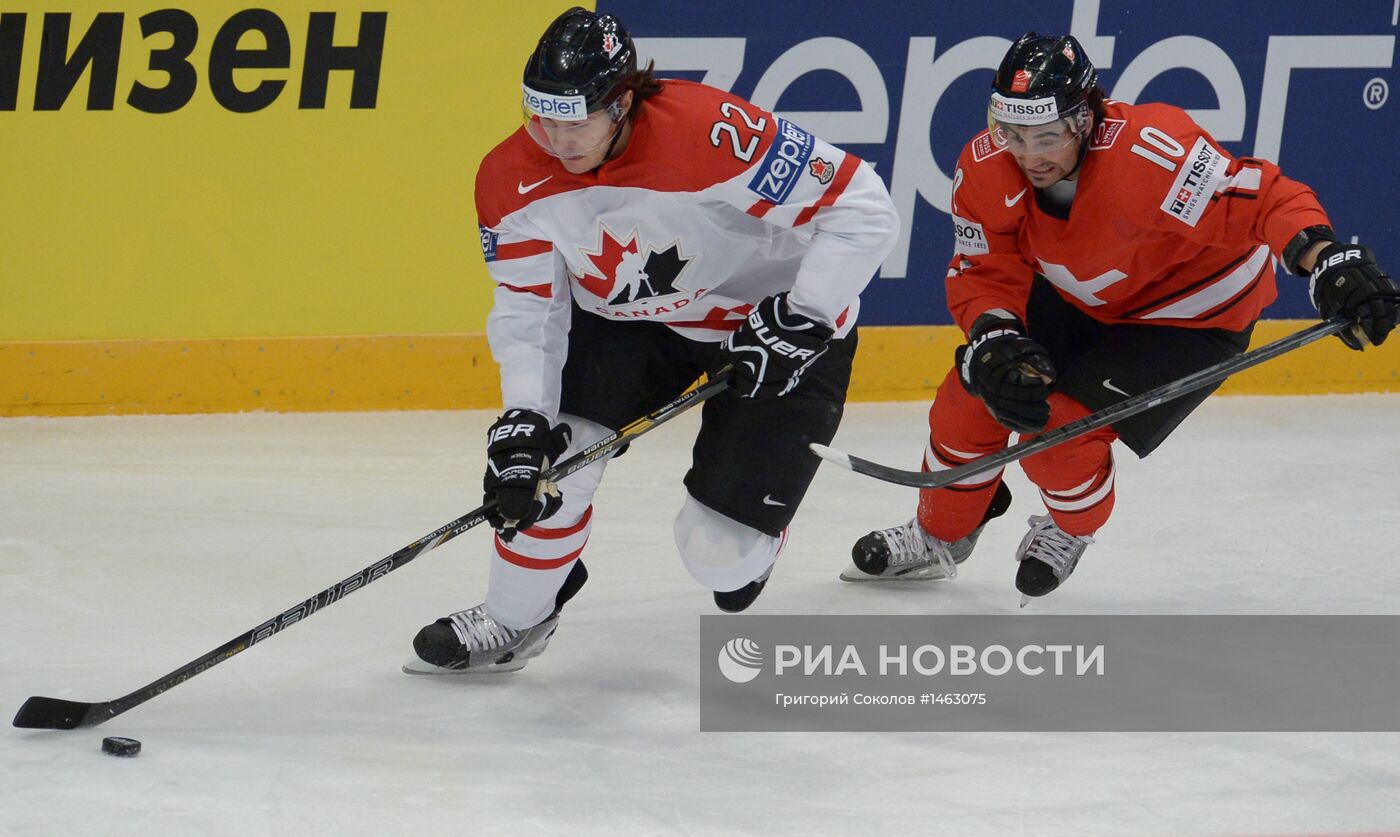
(612, 143)
(56, 713)
(1084, 143)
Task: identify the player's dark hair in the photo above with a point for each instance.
(644, 84)
(1095, 102)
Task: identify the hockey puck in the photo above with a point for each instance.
(115, 746)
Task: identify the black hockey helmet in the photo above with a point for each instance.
(1046, 67)
(579, 63)
(1043, 79)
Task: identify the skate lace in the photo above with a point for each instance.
(478, 630)
(1052, 545)
(910, 545)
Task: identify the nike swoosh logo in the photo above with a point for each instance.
(769, 501)
(1015, 200)
(1108, 384)
(522, 188)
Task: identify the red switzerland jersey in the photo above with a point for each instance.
(1165, 227)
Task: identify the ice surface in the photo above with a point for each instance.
(129, 546)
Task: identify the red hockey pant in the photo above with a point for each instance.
(1075, 478)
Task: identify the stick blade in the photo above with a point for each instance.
(864, 467)
(53, 713)
(832, 455)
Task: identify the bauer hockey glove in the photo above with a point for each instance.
(519, 447)
(772, 349)
(1346, 280)
(1010, 372)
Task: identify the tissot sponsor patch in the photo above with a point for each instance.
(1200, 176)
(968, 238)
(488, 243)
(780, 168)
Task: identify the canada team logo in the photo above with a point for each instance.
(611, 44)
(740, 660)
(821, 170)
(620, 273)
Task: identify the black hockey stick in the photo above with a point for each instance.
(1108, 415)
(54, 713)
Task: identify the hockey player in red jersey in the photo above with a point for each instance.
(1101, 249)
(640, 233)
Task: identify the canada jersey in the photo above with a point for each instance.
(1164, 227)
(714, 205)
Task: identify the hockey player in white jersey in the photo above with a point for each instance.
(641, 233)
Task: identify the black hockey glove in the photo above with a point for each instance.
(1346, 280)
(519, 447)
(1009, 371)
(772, 349)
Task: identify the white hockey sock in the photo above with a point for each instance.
(526, 573)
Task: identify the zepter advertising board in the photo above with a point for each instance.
(905, 86)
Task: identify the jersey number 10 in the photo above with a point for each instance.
(1161, 142)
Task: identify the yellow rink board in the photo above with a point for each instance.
(455, 371)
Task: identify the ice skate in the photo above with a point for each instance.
(908, 553)
(734, 601)
(1048, 554)
(472, 642)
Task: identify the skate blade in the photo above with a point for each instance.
(419, 668)
(930, 573)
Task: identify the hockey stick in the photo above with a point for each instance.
(54, 713)
(1108, 415)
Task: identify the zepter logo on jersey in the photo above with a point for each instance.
(488, 242)
(780, 168)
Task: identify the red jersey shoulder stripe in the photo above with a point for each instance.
(522, 249)
(543, 291)
(844, 173)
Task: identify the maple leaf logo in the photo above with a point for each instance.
(620, 274)
(611, 252)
